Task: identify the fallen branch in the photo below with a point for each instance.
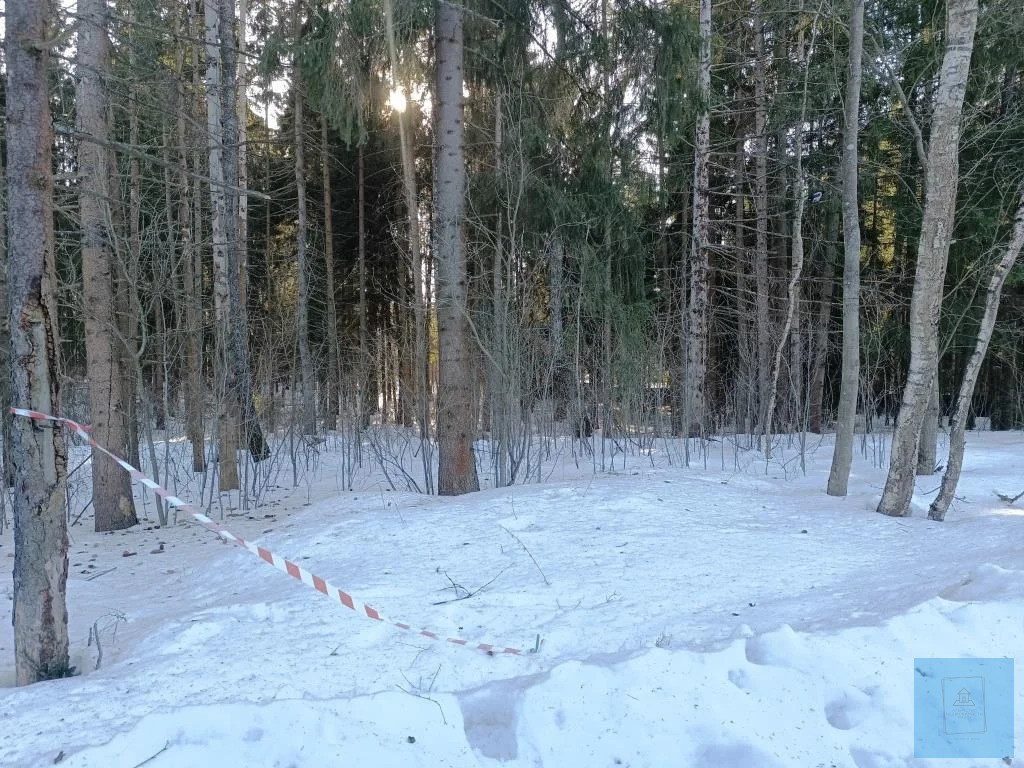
(519, 541)
(154, 756)
(425, 698)
(1010, 499)
(469, 593)
(101, 573)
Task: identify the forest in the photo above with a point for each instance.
(449, 235)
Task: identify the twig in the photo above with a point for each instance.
(84, 510)
(469, 593)
(1010, 499)
(539, 569)
(419, 696)
(95, 635)
(100, 573)
(153, 757)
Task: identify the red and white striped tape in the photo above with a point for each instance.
(292, 569)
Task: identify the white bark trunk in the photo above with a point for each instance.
(695, 415)
(236, 409)
(797, 252)
(963, 402)
(842, 456)
(227, 430)
(941, 177)
(761, 285)
(927, 454)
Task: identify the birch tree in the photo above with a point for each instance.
(700, 268)
(842, 456)
(958, 425)
(941, 177)
(236, 408)
(792, 290)
(190, 231)
(37, 455)
(761, 285)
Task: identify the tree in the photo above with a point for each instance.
(761, 282)
(113, 504)
(842, 456)
(189, 231)
(792, 292)
(700, 267)
(306, 378)
(333, 353)
(421, 395)
(37, 454)
(941, 178)
(455, 407)
(951, 477)
(236, 406)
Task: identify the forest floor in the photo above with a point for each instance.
(719, 617)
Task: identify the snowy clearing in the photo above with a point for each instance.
(685, 617)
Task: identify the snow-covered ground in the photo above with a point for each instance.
(700, 618)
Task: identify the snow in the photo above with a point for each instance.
(732, 615)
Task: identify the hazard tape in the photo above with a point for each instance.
(287, 566)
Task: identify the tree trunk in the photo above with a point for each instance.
(695, 418)
(191, 259)
(744, 369)
(236, 406)
(816, 417)
(846, 413)
(112, 501)
(963, 402)
(941, 177)
(131, 316)
(37, 455)
(561, 384)
(761, 284)
(227, 429)
(456, 461)
(7, 477)
(927, 453)
(498, 360)
(365, 374)
(797, 255)
(242, 111)
(421, 393)
(307, 379)
(333, 370)
(241, 380)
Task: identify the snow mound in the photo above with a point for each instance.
(293, 732)
(987, 582)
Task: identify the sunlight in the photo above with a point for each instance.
(1006, 511)
(397, 100)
